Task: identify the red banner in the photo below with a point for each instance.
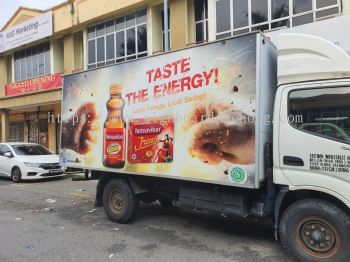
(34, 85)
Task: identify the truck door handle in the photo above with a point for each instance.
(292, 161)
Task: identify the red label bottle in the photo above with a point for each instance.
(114, 130)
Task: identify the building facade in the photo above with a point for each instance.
(37, 48)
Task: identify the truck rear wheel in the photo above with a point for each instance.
(315, 230)
(119, 201)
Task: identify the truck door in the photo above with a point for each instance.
(314, 137)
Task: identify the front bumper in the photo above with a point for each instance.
(33, 173)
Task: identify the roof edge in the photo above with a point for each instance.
(35, 10)
(17, 11)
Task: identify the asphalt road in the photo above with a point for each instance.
(71, 229)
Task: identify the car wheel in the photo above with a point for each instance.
(16, 175)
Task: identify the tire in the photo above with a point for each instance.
(314, 230)
(119, 201)
(16, 175)
(165, 201)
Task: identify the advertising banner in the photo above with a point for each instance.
(33, 85)
(188, 114)
(29, 31)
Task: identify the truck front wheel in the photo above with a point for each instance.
(119, 201)
(314, 230)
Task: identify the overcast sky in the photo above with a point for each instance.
(9, 7)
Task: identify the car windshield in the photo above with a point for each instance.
(30, 150)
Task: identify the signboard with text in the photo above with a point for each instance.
(188, 114)
(29, 31)
(33, 85)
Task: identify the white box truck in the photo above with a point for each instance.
(235, 127)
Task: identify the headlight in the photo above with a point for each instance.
(32, 164)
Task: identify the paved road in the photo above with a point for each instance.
(72, 230)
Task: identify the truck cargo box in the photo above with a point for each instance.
(202, 114)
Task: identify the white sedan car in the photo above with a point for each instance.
(22, 161)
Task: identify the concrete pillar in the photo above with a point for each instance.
(191, 34)
(68, 54)
(178, 24)
(346, 7)
(5, 125)
(78, 51)
(3, 75)
(150, 22)
(211, 20)
(155, 26)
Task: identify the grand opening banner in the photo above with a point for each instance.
(52, 81)
(187, 114)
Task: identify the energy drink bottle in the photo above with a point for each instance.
(114, 130)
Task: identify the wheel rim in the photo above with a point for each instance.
(117, 201)
(318, 238)
(16, 175)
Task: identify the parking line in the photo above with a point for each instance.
(21, 186)
(77, 194)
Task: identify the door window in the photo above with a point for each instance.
(323, 112)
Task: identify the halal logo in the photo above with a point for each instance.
(238, 175)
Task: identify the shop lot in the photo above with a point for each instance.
(56, 221)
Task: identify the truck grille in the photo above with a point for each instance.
(50, 166)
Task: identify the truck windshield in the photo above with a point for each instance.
(323, 111)
(32, 150)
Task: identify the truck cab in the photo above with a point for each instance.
(311, 146)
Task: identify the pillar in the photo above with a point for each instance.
(5, 125)
(68, 54)
(3, 75)
(178, 24)
(211, 20)
(346, 7)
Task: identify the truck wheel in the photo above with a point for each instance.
(315, 230)
(119, 201)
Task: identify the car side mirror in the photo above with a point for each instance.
(8, 154)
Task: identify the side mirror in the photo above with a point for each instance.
(8, 154)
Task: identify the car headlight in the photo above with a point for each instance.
(32, 164)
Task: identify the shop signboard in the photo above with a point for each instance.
(29, 31)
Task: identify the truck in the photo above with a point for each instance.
(240, 127)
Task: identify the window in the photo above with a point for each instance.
(201, 20)
(235, 17)
(31, 150)
(16, 132)
(168, 30)
(32, 62)
(324, 112)
(118, 40)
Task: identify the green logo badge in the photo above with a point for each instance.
(238, 175)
